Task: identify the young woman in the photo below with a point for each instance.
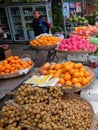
(41, 26)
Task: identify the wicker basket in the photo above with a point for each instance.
(83, 101)
(48, 47)
(94, 125)
(72, 88)
(75, 52)
(20, 72)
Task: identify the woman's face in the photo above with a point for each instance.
(36, 14)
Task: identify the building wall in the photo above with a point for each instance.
(87, 7)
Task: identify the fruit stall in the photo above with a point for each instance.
(47, 97)
(57, 95)
(75, 21)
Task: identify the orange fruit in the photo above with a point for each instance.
(59, 71)
(67, 76)
(57, 66)
(75, 80)
(13, 61)
(51, 72)
(62, 75)
(8, 66)
(13, 65)
(16, 57)
(85, 81)
(70, 62)
(61, 81)
(80, 65)
(71, 72)
(87, 74)
(76, 66)
(15, 70)
(77, 84)
(7, 71)
(12, 69)
(80, 79)
(82, 74)
(68, 67)
(2, 73)
(83, 69)
(56, 75)
(76, 70)
(68, 82)
(4, 62)
(89, 79)
(76, 75)
(29, 62)
(3, 68)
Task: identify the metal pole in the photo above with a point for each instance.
(64, 21)
(83, 4)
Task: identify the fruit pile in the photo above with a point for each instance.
(36, 108)
(78, 19)
(76, 43)
(45, 41)
(13, 64)
(68, 73)
(85, 31)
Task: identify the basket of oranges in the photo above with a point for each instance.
(45, 42)
(73, 77)
(14, 66)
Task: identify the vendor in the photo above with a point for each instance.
(41, 26)
(2, 52)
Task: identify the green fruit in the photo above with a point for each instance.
(86, 21)
(83, 18)
(80, 21)
(75, 19)
(70, 19)
(79, 17)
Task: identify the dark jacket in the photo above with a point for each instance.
(40, 26)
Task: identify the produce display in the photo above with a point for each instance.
(45, 109)
(13, 64)
(76, 43)
(45, 40)
(69, 73)
(94, 40)
(85, 31)
(78, 19)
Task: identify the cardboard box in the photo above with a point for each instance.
(8, 53)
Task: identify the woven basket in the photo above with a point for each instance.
(75, 52)
(94, 125)
(84, 101)
(72, 88)
(48, 47)
(93, 34)
(20, 72)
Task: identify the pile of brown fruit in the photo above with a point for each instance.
(36, 108)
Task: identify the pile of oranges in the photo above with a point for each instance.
(45, 41)
(68, 73)
(13, 64)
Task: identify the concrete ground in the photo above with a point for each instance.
(20, 49)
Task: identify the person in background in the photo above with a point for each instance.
(2, 53)
(40, 26)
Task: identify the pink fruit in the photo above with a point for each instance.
(75, 43)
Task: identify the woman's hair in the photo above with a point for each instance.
(36, 11)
